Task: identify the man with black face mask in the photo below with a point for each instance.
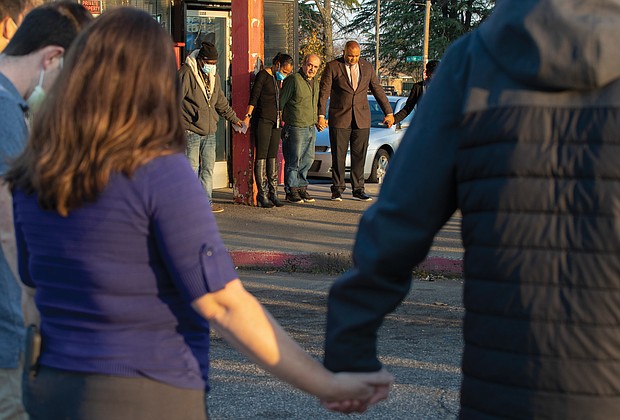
(28, 67)
(204, 103)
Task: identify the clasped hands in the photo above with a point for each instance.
(322, 124)
(358, 391)
(389, 120)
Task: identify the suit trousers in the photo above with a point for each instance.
(340, 139)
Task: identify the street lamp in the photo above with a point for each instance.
(378, 23)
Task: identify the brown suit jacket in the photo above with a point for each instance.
(335, 83)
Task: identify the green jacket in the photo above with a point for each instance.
(299, 99)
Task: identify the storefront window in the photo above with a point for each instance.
(159, 9)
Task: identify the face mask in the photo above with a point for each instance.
(280, 76)
(209, 68)
(37, 96)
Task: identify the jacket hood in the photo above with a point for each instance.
(557, 44)
(190, 60)
(192, 63)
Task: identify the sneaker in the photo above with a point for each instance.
(216, 209)
(305, 196)
(294, 197)
(361, 195)
(336, 196)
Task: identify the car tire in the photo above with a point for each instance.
(379, 166)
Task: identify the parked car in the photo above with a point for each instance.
(382, 144)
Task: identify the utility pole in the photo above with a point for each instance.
(378, 24)
(427, 24)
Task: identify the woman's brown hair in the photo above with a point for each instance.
(115, 106)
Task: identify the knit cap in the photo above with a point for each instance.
(207, 51)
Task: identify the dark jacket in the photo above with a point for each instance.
(521, 133)
(199, 114)
(265, 96)
(412, 100)
(346, 103)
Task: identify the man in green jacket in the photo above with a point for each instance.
(298, 103)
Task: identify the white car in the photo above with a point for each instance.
(382, 144)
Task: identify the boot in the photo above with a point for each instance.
(272, 176)
(260, 177)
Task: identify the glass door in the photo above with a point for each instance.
(214, 26)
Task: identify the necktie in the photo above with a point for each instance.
(354, 77)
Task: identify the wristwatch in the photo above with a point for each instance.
(248, 115)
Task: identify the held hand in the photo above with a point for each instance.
(355, 392)
(321, 124)
(246, 121)
(381, 393)
(389, 120)
(240, 123)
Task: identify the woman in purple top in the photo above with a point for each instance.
(115, 234)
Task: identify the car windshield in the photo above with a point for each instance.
(376, 114)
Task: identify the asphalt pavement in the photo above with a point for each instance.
(288, 258)
(315, 237)
(420, 344)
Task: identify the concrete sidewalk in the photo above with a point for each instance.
(315, 237)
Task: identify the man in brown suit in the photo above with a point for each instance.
(347, 80)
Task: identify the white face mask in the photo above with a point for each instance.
(209, 68)
(37, 96)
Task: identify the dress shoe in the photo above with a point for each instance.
(361, 195)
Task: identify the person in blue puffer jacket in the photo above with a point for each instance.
(520, 130)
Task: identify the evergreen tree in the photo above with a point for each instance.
(402, 28)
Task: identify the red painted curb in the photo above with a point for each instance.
(270, 259)
(442, 265)
(317, 262)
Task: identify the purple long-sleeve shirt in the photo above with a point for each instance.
(115, 278)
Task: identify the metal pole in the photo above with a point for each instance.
(378, 23)
(427, 23)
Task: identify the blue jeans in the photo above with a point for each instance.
(200, 151)
(298, 155)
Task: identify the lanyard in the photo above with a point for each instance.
(276, 86)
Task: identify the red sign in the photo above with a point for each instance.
(93, 6)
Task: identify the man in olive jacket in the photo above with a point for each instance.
(520, 130)
(298, 102)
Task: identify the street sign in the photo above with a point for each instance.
(413, 58)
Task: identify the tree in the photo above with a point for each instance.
(311, 44)
(402, 28)
(317, 17)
